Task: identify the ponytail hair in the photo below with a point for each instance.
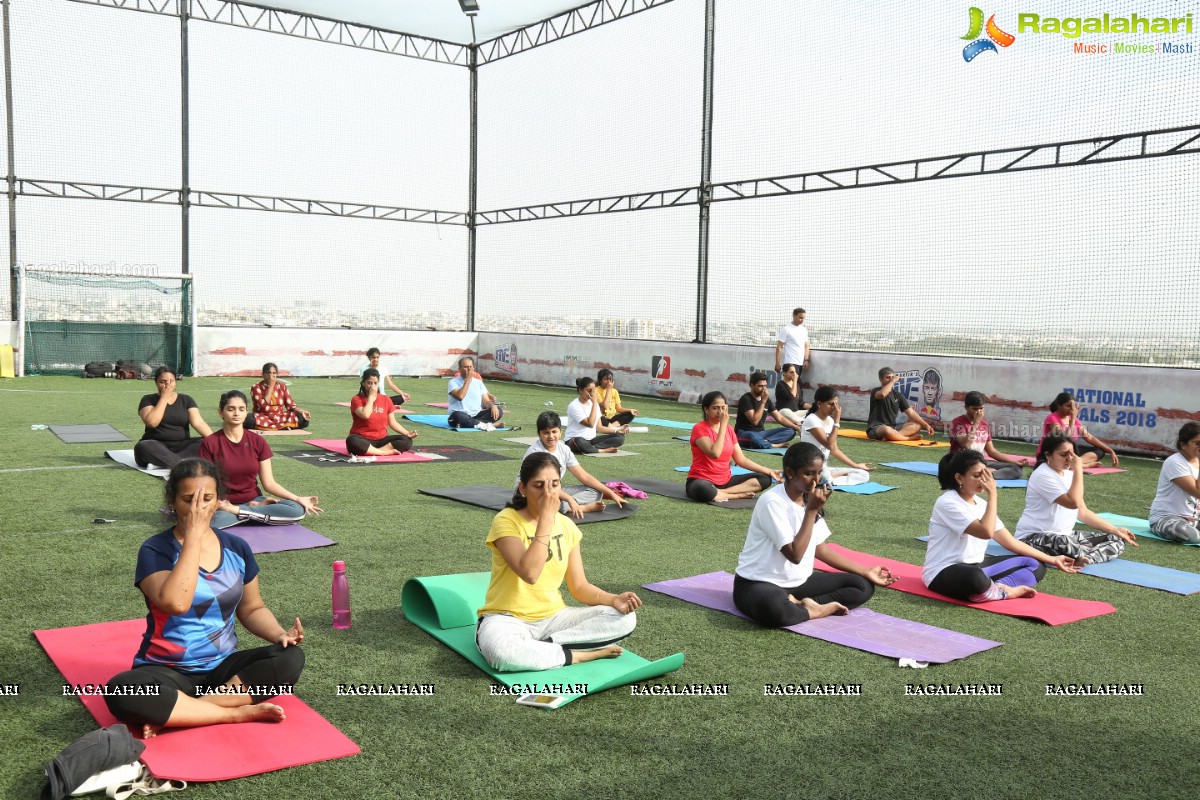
(1049, 445)
(530, 467)
(1061, 400)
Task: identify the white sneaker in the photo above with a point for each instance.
(487, 426)
(481, 426)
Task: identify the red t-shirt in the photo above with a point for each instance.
(239, 462)
(707, 468)
(377, 426)
(961, 426)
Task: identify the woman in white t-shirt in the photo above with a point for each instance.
(956, 560)
(575, 500)
(820, 428)
(1054, 503)
(1174, 510)
(586, 432)
(775, 584)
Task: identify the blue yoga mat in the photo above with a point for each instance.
(1140, 527)
(930, 468)
(440, 421)
(665, 423)
(1122, 570)
(863, 488)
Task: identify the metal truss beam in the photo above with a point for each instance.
(668, 198)
(325, 208)
(568, 23)
(303, 26)
(1125, 147)
(75, 190)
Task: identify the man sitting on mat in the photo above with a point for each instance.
(752, 411)
(972, 432)
(775, 584)
(575, 500)
(891, 418)
(188, 671)
(471, 406)
(524, 623)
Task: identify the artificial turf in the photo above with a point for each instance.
(62, 569)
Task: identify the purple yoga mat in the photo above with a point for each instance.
(277, 538)
(861, 629)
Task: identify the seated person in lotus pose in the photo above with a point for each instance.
(585, 432)
(524, 623)
(775, 584)
(1174, 510)
(884, 420)
(611, 410)
(789, 395)
(195, 581)
(752, 411)
(386, 384)
(956, 560)
(471, 406)
(274, 409)
(576, 500)
(714, 445)
(167, 416)
(820, 428)
(1054, 503)
(372, 414)
(972, 432)
(245, 459)
(1063, 420)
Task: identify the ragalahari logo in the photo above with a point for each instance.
(995, 36)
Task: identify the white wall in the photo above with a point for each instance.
(1132, 408)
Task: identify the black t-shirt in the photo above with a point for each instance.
(885, 411)
(174, 426)
(785, 399)
(748, 404)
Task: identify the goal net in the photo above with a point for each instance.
(69, 319)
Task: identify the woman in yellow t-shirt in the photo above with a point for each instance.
(611, 410)
(524, 623)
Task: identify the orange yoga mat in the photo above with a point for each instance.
(851, 433)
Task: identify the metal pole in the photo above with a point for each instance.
(12, 189)
(472, 189)
(705, 194)
(187, 298)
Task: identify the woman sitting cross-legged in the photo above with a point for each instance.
(956, 560)
(524, 623)
(714, 445)
(821, 428)
(373, 414)
(274, 408)
(775, 584)
(245, 458)
(168, 416)
(195, 581)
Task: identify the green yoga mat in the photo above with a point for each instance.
(1139, 527)
(444, 606)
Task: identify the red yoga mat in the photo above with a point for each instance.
(339, 446)
(1048, 608)
(91, 654)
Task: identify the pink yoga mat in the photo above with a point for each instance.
(339, 446)
(1048, 608)
(438, 405)
(91, 654)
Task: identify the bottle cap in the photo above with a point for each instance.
(339, 566)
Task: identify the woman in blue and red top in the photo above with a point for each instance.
(245, 458)
(372, 414)
(196, 580)
(714, 445)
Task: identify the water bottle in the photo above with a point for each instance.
(341, 597)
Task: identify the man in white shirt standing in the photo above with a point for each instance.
(792, 346)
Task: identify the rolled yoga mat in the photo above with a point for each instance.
(445, 606)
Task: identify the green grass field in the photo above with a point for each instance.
(61, 569)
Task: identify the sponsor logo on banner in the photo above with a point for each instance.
(571, 366)
(930, 405)
(995, 36)
(660, 374)
(506, 358)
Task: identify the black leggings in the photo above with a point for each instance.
(624, 418)
(461, 419)
(165, 454)
(357, 445)
(589, 447)
(971, 581)
(768, 604)
(301, 424)
(703, 491)
(269, 666)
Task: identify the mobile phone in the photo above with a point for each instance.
(547, 701)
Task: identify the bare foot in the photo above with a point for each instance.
(597, 507)
(1020, 591)
(608, 449)
(150, 731)
(724, 496)
(580, 656)
(817, 610)
(779, 444)
(262, 712)
(914, 437)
